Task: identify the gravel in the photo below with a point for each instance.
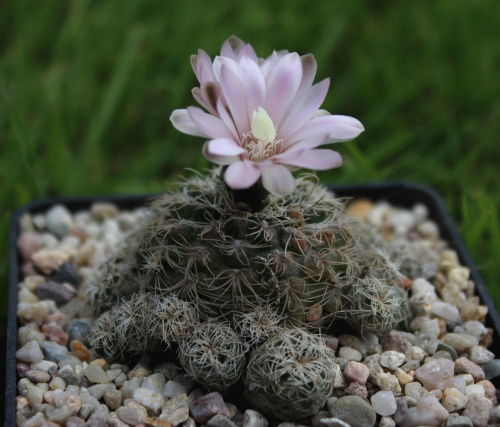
(437, 373)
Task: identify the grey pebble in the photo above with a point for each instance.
(204, 408)
(30, 352)
(113, 399)
(455, 420)
(78, 330)
(172, 389)
(354, 411)
(255, 419)
(38, 376)
(491, 369)
(66, 274)
(53, 352)
(60, 293)
(169, 370)
(220, 421)
(75, 422)
(132, 414)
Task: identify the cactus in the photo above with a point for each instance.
(291, 375)
(247, 259)
(296, 257)
(214, 355)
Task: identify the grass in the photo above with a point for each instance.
(86, 89)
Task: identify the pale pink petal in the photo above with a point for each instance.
(283, 82)
(221, 61)
(309, 68)
(253, 85)
(305, 104)
(201, 99)
(232, 47)
(202, 66)
(235, 97)
(248, 52)
(278, 180)
(218, 160)
(338, 128)
(269, 64)
(183, 122)
(313, 141)
(210, 125)
(226, 118)
(242, 174)
(321, 159)
(224, 147)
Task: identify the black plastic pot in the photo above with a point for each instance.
(397, 193)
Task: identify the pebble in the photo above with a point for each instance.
(328, 422)
(66, 273)
(461, 343)
(480, 355)
(150, 399)
(113, 399)
(176, 410)
(478, 410)
(356, 372)
(205, 407)
(437, 374)
(59, 221)
(388, 382)
(30, 353)
(392, 359)
(80, 350)
(455, 420)
(428, 412)
(453, 400)
(445, 311)
(34, 421)
(27, 245)
(78, 330)
(254, 419)
(464, 365)
(59, 415)
(394, 341)
(34, 395)
(414, 390)
(96, 374)
(168, 370)
(173, 389)
(53, 352)
(356, 389)
(47, 261)
(349, 353)
(154, 382)
(60, 293)
(54, 333)
(75, 422)
(220, 421)
(354, 411)
(98, 390)
(474, 390)
(401, 410)
(384, 403)
(38, 376)
(133, 413)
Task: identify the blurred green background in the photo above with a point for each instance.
(87, 87)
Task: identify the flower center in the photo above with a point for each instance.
(261, 142)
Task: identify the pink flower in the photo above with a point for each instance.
(263, 117)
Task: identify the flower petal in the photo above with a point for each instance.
(232, 47)
(235, 97)
(305, 104)
(321, 159)
(337, 128)
(309, 68)
(282, 84)
(183, 122)
(253, 84)
(210, 125)
(218, 160)
(226, 118)
(224, 147)
(242, 174)
(202, 67)
(278, 180)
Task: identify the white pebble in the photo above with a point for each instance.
(392, 359)
(445, 311)
(173, 389)
(349, 353)
(384, 403)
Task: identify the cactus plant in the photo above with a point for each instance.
(246, 255)
(291, 375)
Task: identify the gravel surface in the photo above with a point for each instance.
(437, 372)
